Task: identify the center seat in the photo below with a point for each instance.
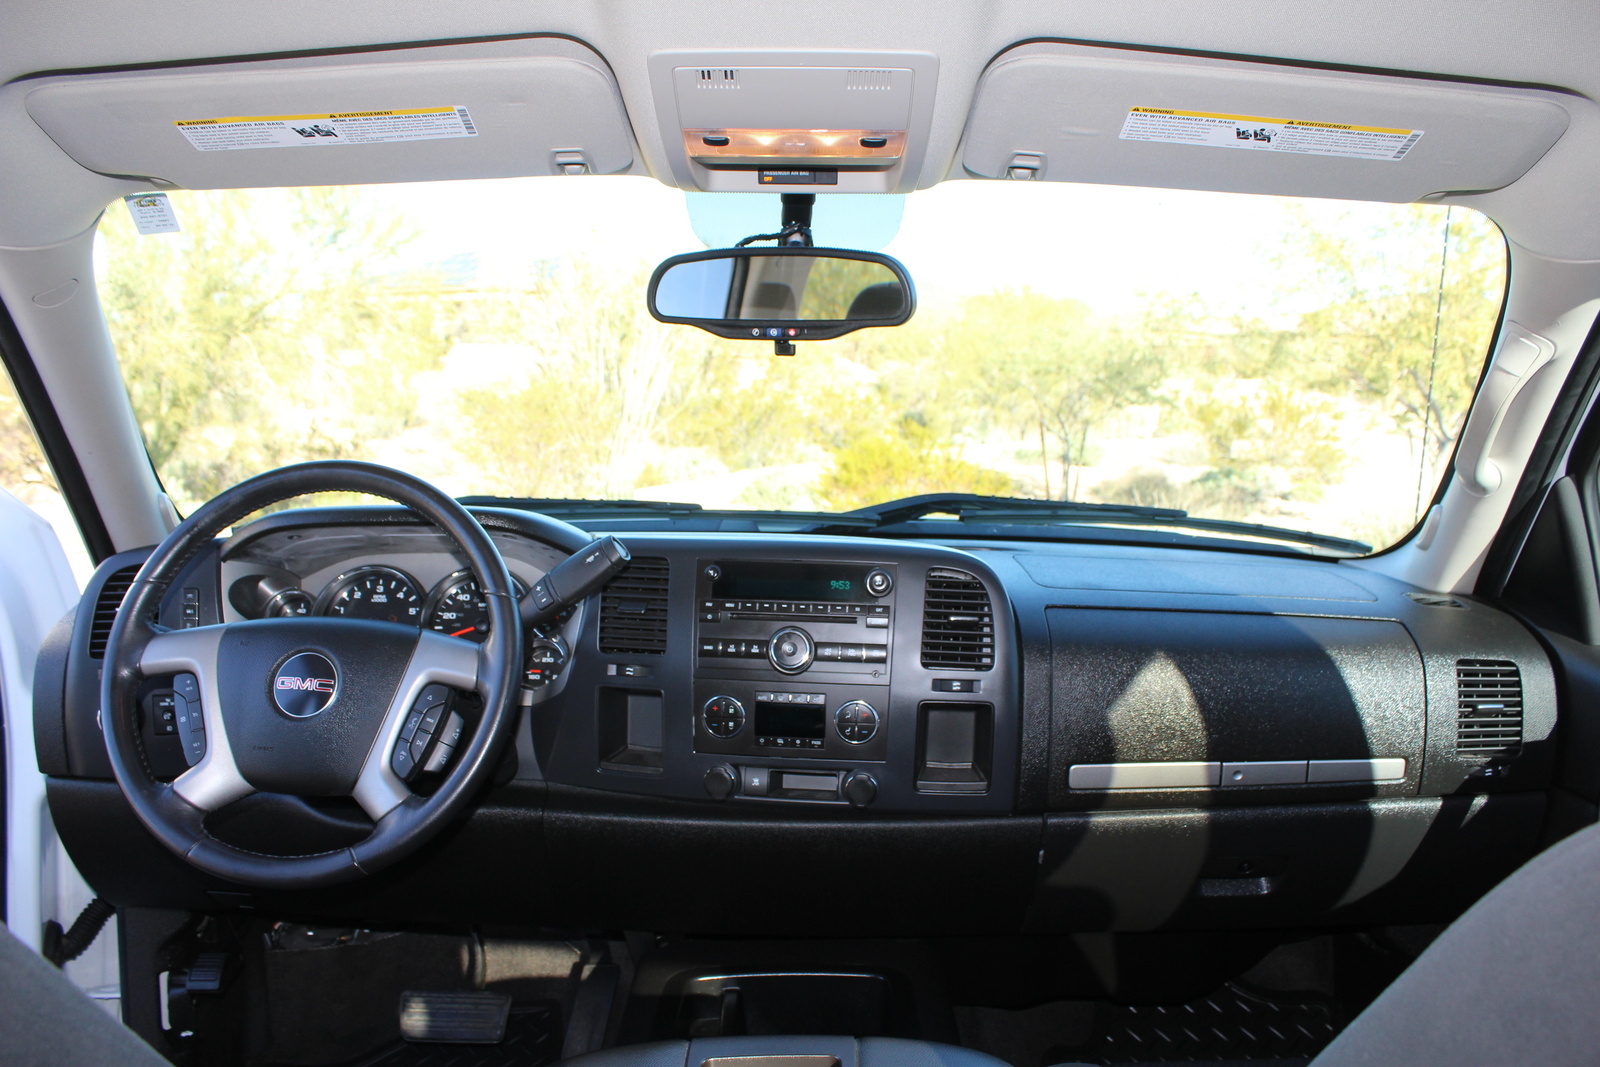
(787, 1052)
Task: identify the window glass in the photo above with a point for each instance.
(1306, 364)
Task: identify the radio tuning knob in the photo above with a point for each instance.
(720, 781)
(879, 582)
(791, 650)
(860, 789)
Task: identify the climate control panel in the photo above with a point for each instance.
(828, 722)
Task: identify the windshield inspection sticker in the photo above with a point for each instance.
(306, 131)
(1259, 134)
(152, 213)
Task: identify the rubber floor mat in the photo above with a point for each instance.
(1230, 1024)
(533, 1039)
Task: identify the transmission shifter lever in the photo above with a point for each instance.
(573, 579)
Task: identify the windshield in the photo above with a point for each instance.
(1296, 363)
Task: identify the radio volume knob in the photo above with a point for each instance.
(791, 650)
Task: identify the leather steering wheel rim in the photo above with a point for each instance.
(169, 811)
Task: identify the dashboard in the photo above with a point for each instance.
(1013, 736)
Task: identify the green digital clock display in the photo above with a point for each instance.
(790, 582)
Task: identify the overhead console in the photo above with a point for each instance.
(1054, 111)
(534, 106)
(792, 121)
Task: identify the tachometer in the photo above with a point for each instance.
(457, 607)
(380, 593)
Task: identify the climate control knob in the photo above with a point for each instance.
(723, 716)
(791, 650)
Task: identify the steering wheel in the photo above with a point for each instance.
(311, 707)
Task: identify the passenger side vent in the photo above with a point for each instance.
(633, 609)
(957, 622)
(105, 608)
(1489, 708)
(1435, 600)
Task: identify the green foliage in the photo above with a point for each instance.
(239, 357)
(908, 459)
(21, 462)
(281, 325)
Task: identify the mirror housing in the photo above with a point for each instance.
(782, 294)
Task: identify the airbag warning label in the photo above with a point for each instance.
(1258, 134)
(308, 131)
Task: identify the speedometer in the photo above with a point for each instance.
(457, 607)
(380, 593)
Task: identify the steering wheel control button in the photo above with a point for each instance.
(189, 717)
(305, 684)
(791, 650)
(856, 722)
(880, 582)
(723, 716)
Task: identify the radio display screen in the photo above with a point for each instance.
(790, 720)
(841, 582)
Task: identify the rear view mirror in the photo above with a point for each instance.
(782, 294)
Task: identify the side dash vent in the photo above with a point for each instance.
(957, 622)
(633, 609)
(1435, 600)
(105, 609)
(1488, 708)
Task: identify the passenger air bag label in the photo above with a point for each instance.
(337, 128)
(1299, 136)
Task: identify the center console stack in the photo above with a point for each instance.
(835, 674)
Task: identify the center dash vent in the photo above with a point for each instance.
(957, 622)
(105, 608)
(1488, 708)
(633, 609)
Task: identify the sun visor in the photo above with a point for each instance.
(1062, 112)
(484, 110)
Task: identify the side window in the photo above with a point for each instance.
(26, 475)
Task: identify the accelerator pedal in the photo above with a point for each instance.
(454, 1018)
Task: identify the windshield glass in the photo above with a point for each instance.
(1299, 363)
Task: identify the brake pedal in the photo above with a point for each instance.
(454, 1018)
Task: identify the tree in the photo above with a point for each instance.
(262, 334)
(1049, 360)
(21, 461)
(908, 459)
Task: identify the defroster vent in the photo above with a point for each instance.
(957, 622)
(633, 609)
(1489, 708)
(105, 608)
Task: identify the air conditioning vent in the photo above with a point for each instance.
(1489, 708)
(1435, 600)
(105, 609)
(957, 622)
(633, 609)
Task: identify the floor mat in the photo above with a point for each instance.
(533, 1039)
(1230, 1024)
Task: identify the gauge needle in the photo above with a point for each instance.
(468, 630)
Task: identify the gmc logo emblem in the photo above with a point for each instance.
(312, 685)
